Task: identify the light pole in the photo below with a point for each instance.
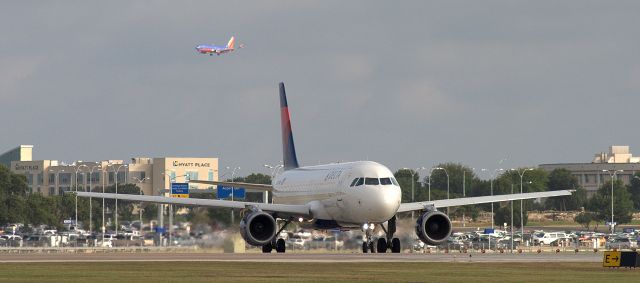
(102, 172)
(116, 170)
(413, 173)
(171, 205)
(612, 175)
(90, 190)
(511, 220)
(493, 174)
(447, 173)
(140, 181)
(233, 173)
(76, 181)
(464, 194)
(274, 171)
(521, 174)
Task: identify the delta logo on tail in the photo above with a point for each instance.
(217, 49)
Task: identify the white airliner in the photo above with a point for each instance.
(352, 195)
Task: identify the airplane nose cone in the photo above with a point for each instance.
(387, 203)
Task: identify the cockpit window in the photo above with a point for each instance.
(371, 181)
(394, 181)
(385, 181)
(354, 182)
(360, 182)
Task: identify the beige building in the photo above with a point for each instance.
(591, 175)
(152, 175)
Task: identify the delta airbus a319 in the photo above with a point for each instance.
(357, 195)
(217, 49)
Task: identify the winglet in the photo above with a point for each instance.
(288, 148)
(231, 43)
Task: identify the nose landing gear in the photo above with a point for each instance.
(382, 244)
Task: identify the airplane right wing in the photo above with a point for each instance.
(251, 186)
(288, 209)
(413, 206)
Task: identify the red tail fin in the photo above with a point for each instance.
(231, 43)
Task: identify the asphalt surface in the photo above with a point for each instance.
(300, 257)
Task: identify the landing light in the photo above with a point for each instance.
(365, 226)
(300, 219)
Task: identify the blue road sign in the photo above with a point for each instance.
(180, 190)
(225, 192)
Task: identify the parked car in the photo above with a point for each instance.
(619, 243)
(296, 243)
(550, 238)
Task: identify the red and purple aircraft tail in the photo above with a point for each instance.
(288, 148)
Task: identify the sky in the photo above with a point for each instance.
(403, 83)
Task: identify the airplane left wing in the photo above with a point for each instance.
(413, 206)
(290, 209)
(251, 186)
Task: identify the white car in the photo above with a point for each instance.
(550, 238)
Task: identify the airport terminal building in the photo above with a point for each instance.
(152, 175)
(591, 175)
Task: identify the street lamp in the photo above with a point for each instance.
(233, 173)
(90, 190)
(492, 176)
(612, 175)
(521, 174)
(116, 170)
(274, 171)
(140, 181)
(413, 173)
(447, 173)
(76, 181)
(464, 194)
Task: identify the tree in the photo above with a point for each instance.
(600, 203)
(13, 190)
(405, 179)
(585, 219)
(561, 179)
(634, 190)
(503, 215)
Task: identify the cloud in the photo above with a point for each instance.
(424, 99)
(351, 67)
(14, 73)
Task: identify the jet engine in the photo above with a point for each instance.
(433, 227)
(258, 228)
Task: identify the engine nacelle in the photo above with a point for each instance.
(433, 227)
(258, 228)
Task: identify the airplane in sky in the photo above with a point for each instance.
(347, 196)
(217, 49)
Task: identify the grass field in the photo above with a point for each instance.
(312, 272)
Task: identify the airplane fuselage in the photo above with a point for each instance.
(213, 49)
(335, 195)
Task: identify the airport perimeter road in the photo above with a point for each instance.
(299, 257)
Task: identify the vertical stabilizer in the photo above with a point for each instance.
(231, 43)
(288, 148)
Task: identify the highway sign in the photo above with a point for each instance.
(611, 259)
(225, 192)
(180, 190)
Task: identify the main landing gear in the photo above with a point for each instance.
(382, 244)
(278, 244)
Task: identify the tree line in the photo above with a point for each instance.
(593, 210)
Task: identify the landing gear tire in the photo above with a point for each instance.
(280, 246)
(395, 246)
(365, 247)
(382, 245)
(372, 247)
(267, 248)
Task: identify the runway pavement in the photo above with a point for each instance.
(299, 257)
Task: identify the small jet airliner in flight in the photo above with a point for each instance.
(216, 49)
(347, 196)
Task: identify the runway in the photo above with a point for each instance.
(298, 257)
